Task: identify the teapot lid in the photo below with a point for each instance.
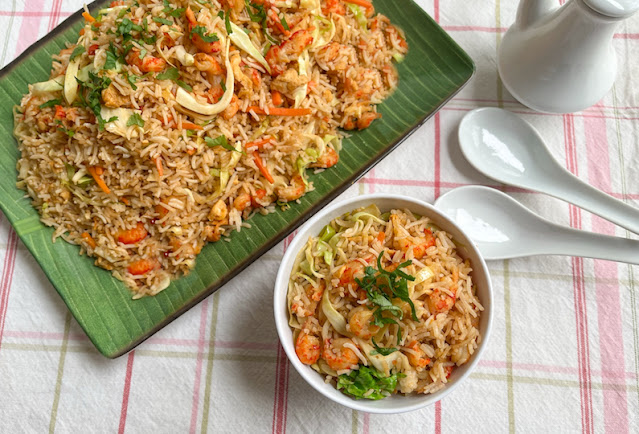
(614, 8)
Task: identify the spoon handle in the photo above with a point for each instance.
(577, 192)
(573, 242)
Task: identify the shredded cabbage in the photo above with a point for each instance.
(359, 14)
(53, 85)
(334, 317)
(185, 58)
(243, 42)
(118, 126)
(70, 81)
(188, 101)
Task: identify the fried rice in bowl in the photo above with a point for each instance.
(383, 304)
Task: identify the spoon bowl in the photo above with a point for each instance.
(504, 147)
(502, 228)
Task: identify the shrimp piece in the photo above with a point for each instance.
(279, 56)
(291, 192)
(288, 82)
(339, 357)
(329, 158)
(314, 294)
(200, 44)
(348, 272)
(232, 109)
(133, 236)
(142, 266)
(416, 356)
(440, 302)
(404, 242)
(219, 211)
(307, 345)
(207, 63)
(334, 6)
(148, 64)
(360, 320)
(242, 201)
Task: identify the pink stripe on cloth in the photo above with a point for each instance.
(55, 14)
(583, 349)
(125, 393)
(438, 417)
(437, 156)
(198, 366)
(30, 25)
(280, 402)
(607, 293)
(7, 278)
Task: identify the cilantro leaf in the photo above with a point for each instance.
(111, 58)
(135, 119)
(51, 103)
(201, 32)
(220, 141)
(184, 86)
(381, 350)
(162, 21)
(227, 22)
(131, 78)
(170, 74)
(76, 52)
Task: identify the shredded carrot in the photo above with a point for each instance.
(158, 165)
(259, 143)
(98, 180)
(190, 151)
(362, 3)
(277, 98)
(59, 112)
(260, 165)
(280, 111)
(81, 32)
(89, 239)
(191, 126)
(87, 16)
(99, 170)
(381, 237)
(125, 200)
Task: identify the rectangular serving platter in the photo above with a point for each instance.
(434, 70)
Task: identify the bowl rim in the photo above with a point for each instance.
(281, 320)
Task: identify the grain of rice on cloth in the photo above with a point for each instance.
(371, 338)
(170, 121)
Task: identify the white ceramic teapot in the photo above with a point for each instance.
(561, 60)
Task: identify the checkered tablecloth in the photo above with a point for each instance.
(564, 355)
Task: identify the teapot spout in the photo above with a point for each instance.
(530, 11)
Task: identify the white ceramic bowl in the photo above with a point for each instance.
(395, 403)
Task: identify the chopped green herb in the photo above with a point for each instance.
(190, 133)
(65, 130)
(170, 74)
(380, 350)
(219, 141)
(362, 381)
(51, 103)
(111, 61)
(223, 86)
(201, 32)
(135, 119)
(172, 12)
(91, 93)
(184, 86)
(162, 21)
(131, 78)
(76, 52)
(123, 12)
(227, 22)
(284, 23)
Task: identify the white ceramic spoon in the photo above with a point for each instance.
(502, 228)
(504, 147)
